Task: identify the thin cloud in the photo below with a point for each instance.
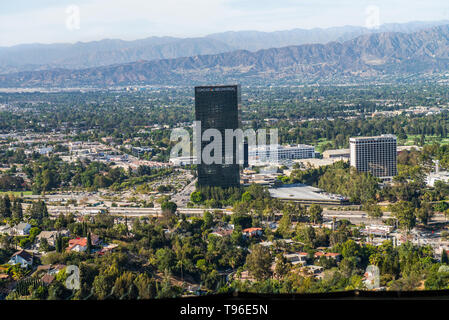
(45, 21)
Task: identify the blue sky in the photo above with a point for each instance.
(50, 21)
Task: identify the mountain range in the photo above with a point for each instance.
(365, 56)
(81, 55)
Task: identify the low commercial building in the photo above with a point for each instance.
(183, 161)
(306, 194)
(336, 153)
(316, 163)
(433, 177)
(407, 148)
(438, 175)
(260, 179)
(278, 153)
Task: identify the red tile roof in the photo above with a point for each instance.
(47, 278)
(332, 254)
(329, 254)
(78, 241)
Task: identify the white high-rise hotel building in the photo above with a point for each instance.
(375, 154)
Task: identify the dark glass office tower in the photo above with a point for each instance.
(245, 155)
(217, 108)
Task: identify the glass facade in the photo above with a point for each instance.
(216, 107)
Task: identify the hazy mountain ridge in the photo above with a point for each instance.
(32, 57)
(365, 56)
(105, 52)
(256, 40)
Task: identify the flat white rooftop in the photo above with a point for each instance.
(383, 136)
(302, 192)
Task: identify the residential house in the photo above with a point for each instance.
(49, 269)
(222, 232)
(51, 236)
(22, 257)
(273, 225)
(252, 232)
(297, 258)
(4, 276)
(315, 271)
(266, 244)
(328, 255)
(22, 229)
(80, 244)
(47, 279)
(109, 248)
(77, 245)
(42, 268)
(6, 229)
(56, 268)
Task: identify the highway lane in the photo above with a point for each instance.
(353, 216)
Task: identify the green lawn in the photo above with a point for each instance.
(17, 193)
(429, 139)
(321, 143)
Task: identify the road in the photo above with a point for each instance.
(122, 211)
(353, 216)
(182, 198)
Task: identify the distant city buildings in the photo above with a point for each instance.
(216, 107)
(438, 175)
(317, 163)
(277, 153)
(336, 153)
(183, 161)
(377, 155)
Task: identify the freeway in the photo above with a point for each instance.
(362, 216)
(353, 216)
(120, 211)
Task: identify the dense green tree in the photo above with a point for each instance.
(444, 257)
(5, 206)
(373, 210)
(316, 213)
(146, 287)
(89, 243)
(196, 197)
(282, 266)
(241, 220)
(404, 212)
(166, 259)
(17, 211)
(285, 225)
(38, 211)
(258, 262)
